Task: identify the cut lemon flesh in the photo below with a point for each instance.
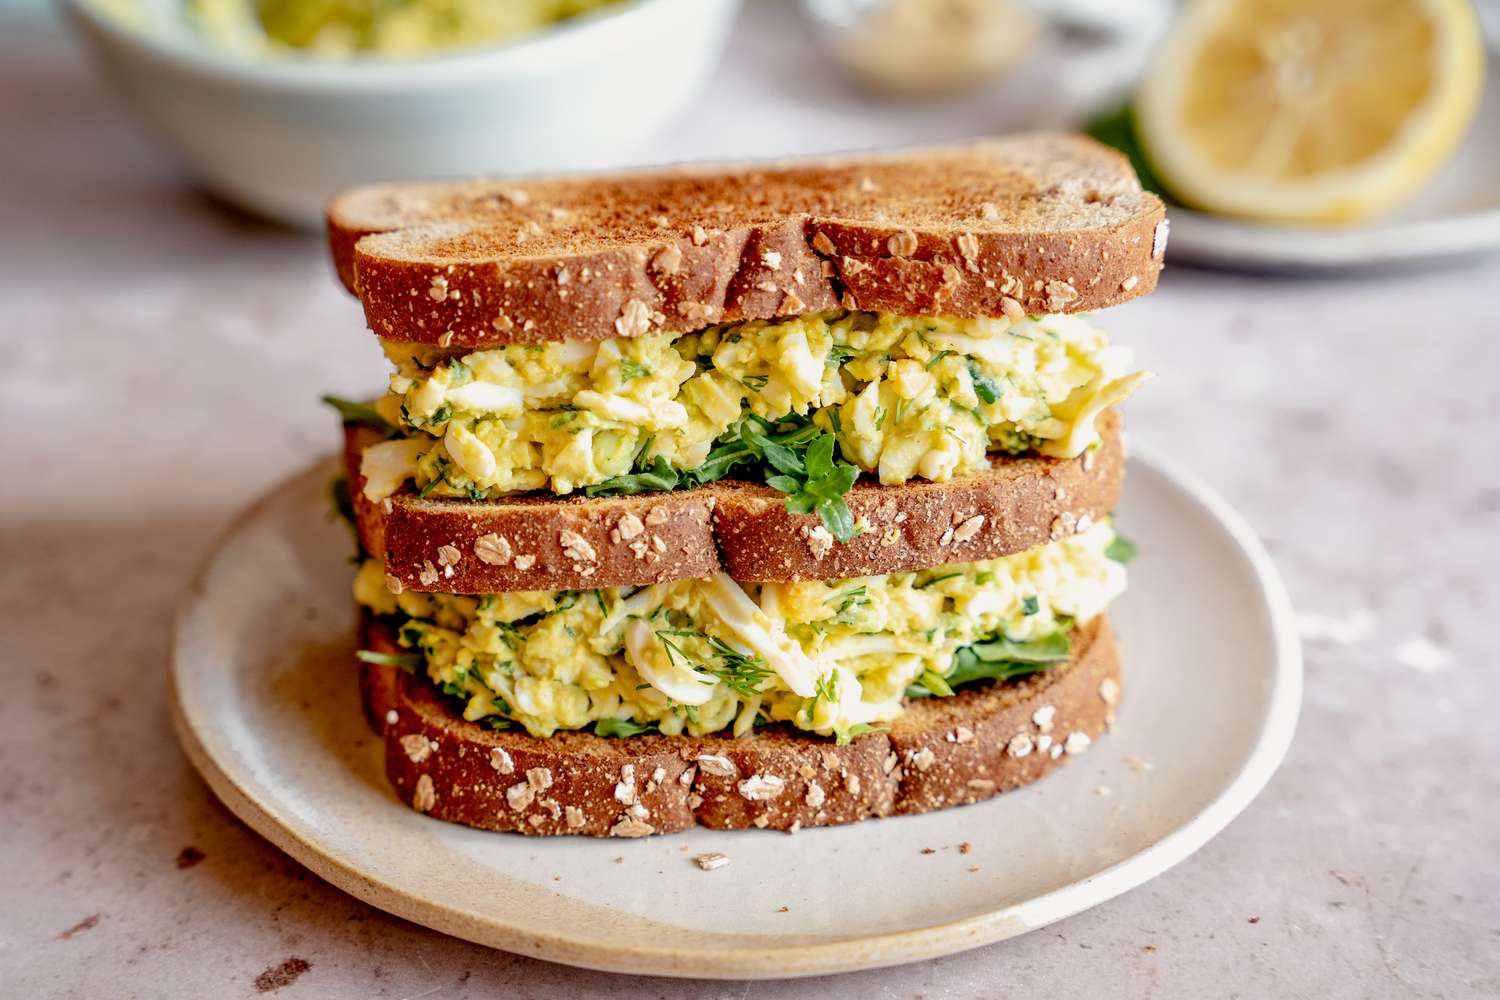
(1309, 110)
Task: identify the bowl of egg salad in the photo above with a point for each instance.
(277, 105)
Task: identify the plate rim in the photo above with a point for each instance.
(822, 958)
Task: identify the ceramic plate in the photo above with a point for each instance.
(1457, 214)
(267, 707)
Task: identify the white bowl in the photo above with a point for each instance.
(282, 136)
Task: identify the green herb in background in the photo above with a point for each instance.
(1117, 129)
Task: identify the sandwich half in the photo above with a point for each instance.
(770, 496)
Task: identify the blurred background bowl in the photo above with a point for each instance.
(281, 136)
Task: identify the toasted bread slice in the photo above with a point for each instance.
(1042, 223)
(942, 752)
(739, 528)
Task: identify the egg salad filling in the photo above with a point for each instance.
(836, 658)
(807, 402)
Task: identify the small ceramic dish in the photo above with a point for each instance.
(281, 136)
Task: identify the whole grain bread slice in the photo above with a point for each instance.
(941, 752)
(1037, 223)
(739, 528)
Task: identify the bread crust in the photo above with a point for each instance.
(739, 528)
(941, 752)
(1043, 223)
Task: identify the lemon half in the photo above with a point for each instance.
(1309, 110)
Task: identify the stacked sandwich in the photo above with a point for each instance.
(769, 496)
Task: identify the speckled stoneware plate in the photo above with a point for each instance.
(267, 708)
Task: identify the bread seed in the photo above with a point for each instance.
(429, 574)
(524, 563)
(1059, 294)
(629, 826)
(822, 244)
(416, 747)
(391, 718)
(968, 248)
(576, 547)
(923, 758)
(492, 549)
(708, 862)
(520, 796)
(815, 795)
(668, 259)
(1109, 690)
(819, 540)
(760, 787)
(1020, 745)
(438, 290)
(573, 817)
(772, 259)
(1042, 718)
(393, 584)
(426, 796)
(969, 528)
(1077, 743)
(1129, 283)
(903, 244)
(1012, 309)
(989, 210)
(1159, 238)
(539, 778)
(791, 304)
(448, 555)
(718, 766)
(501, 761)
(634, 319)
(700, 236)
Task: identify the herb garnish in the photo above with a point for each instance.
(984, 386)
(792, 454)
(999, 659)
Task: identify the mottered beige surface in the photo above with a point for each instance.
(162, 362)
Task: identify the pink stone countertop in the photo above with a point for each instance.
(162, 363)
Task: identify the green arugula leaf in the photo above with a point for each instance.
(1030, 605)
(755, 383)
(622, 728)
(999, 659)
(631, 369)
(363, 414)
(1121, 550)
(1055, 648)
(855, 731)
(656, 477)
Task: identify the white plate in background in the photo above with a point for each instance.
(267, 707)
